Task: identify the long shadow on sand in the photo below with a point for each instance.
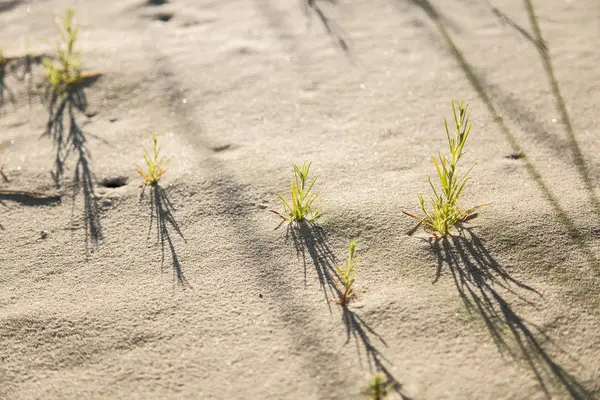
(578, 157)
(363, 334)
(233, 195)
(476, 82)
(542, 48)
(20, 68)
(5, 90)
(332, 29)
(69, 138)
(479, 279)
(9, 5)
(162, 219)
(310, 238)
(502, 17)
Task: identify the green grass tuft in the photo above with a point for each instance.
(445, 210)
(377, 388)
(301, 207)
(156, 165)
(346, 276)
(65, 73)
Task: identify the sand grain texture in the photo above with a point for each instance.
(240, 310)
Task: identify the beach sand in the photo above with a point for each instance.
(214, 299)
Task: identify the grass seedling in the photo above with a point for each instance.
(300, 208)
(377, 388)
(65, 73)
(156, 165)
(346, 276)
(446, 212)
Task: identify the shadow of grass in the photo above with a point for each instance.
(9, 5)
(362, 334)
(233, 196)
(308, 237)
(22, 69)
(162, 219)
(332, 29)
(576, 152)
(478, 278)
(533, 172)
(510, 22)
(68, 138)
(4, 88)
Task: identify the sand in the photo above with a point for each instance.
(239, 308)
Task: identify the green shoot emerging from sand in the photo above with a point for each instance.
(346, 276)
(300, 208)
(377, 388)
(156, 165)
(64, 74)
(446, 211)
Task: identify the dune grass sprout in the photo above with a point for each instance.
(301, 207)
(346, 275)
(445, 210)
(377, 388)
(64, 73)
(156, 165)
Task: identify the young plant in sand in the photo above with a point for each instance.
(300, 208)
(377, 388)
(345, 285)
(65, 73)
(445, 211)
(156, 165)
